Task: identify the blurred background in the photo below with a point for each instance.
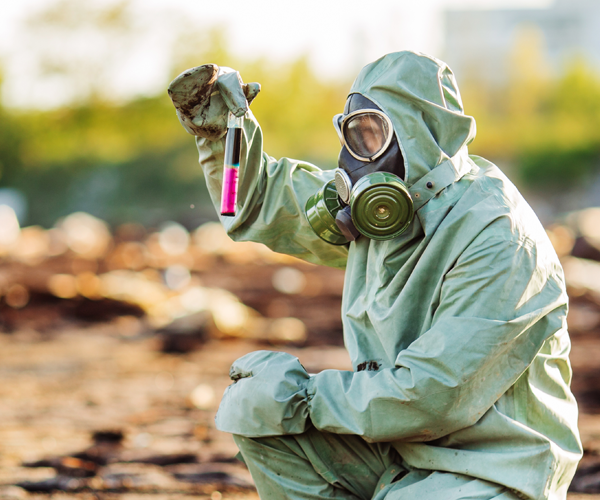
(122, 302)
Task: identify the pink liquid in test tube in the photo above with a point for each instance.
(231, 165)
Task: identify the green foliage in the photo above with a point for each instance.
(99, 132)
(565, 150)
(554, 168)
(149, 188)
(132, 161)
(547, 128)
(295, 109)
(11, 139)
(295, 106)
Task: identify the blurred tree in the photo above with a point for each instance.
(75, 50)
(11, 139)
(295, 106)
(564, 151)
(98, 131)
(508, 116)
(296, 109)
(547, 127)
(131, 160)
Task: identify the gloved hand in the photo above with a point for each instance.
(267, 398)
(204, 95)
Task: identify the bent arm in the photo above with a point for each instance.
(271, 198)
(498, 305)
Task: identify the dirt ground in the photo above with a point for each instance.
(98, 402)
(58, 389)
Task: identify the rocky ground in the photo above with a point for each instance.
(88, 412)
(113, 357)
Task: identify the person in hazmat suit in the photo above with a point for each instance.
(454, 305)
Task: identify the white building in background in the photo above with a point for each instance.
(478, 43)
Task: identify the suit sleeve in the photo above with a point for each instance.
(272, 195)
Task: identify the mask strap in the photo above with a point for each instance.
(438, 179)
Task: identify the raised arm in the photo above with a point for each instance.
(272, 194)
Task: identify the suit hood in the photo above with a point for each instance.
(420, 95)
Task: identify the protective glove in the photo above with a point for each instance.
(267, 398)
(204, 95)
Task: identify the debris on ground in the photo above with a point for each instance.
(115, 348)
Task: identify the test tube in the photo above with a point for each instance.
(231, 165)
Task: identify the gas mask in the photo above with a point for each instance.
(370, 195)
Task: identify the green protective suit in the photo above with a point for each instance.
(456, 329)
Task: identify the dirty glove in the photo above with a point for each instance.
(204, 95)
(267, 398)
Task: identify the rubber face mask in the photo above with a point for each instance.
(369, 179)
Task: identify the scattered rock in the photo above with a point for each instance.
(185, 334)
(587, 477)
(585, 248)
(12, 493)
(58, 483)
(218, 474)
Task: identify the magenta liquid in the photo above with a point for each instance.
(231, 166)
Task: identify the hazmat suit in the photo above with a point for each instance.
(456, 327)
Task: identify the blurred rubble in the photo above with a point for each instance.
(185, 287)
(576, 240)
(134, 330)
(127, 336)
(150, 415)
(107, 465)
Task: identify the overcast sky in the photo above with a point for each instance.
(338, 35)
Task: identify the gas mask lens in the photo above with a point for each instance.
(365, 133)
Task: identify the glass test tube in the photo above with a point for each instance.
(231, 165)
